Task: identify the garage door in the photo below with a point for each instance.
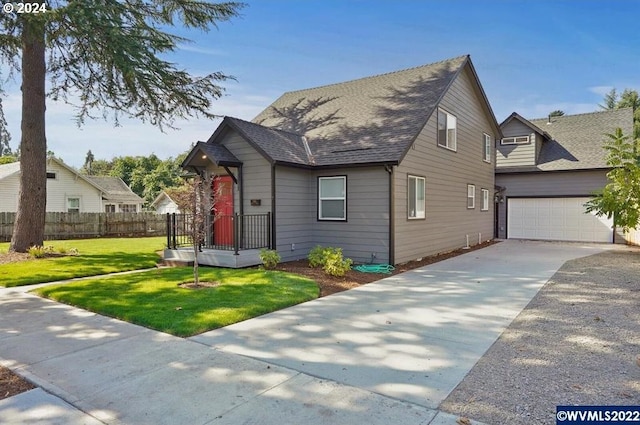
(558, 219)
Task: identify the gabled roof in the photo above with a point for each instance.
(576, 141)
(518, 117)
(364, 121)
(369, 120)
(160, 197)
(115, 190)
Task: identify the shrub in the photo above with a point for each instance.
(317, 256)
(39, 251)
(335, 264)
(270, 258)
(61, 250)
(330, 259)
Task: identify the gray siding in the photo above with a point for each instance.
(546, 184)
(256, 175)
(366, 230)
(447, 173)
(295, 216)
(515, 155)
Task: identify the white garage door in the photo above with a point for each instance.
(558, 219)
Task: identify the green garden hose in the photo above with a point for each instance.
(375, 268)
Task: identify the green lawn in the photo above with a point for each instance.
(154, 300)
(96, 256)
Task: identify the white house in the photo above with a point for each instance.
(163, 204)
(68, 191)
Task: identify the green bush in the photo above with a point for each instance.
(270, 258)
(335, 264)
(330, 259)
(317, 256)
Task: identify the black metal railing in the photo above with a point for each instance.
(235, 232)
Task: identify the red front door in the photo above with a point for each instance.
(223, 210)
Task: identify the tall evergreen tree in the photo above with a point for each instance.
(101, 56)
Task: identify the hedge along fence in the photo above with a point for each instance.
(63, 225)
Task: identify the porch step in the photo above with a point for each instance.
(176, 262)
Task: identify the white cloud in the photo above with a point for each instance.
(600, 90)
(201, 50)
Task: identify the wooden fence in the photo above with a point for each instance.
(62, 225)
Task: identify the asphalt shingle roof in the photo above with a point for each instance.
(577, 140)
(115, 189)
(372, 119)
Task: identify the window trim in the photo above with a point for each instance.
(485, 200)
(454, 146)
(343, 198)
(514, 140)
(486, 149)
(113, 207)
(471, 190)
(52, 175)
(120, 208)
(68, 198)
(424, 197)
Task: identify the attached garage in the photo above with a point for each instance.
(558, 219)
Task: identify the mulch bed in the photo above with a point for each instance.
(12, 384)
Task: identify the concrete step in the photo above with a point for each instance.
(175, 262)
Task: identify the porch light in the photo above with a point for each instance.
(204, 156)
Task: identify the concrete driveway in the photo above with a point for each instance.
(413, 336)
(388, 352)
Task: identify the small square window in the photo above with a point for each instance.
(416, 197)
(471, 196)
(485, 199)
(128, 208)
(447, 124)
(51, 175)
(110, 208)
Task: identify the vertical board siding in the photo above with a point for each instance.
(547, 184)
(62, 225)
(366, 230)
(447, 173)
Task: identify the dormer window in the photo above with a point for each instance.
(520, 140)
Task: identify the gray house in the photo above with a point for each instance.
(546, 169)
(390, 168)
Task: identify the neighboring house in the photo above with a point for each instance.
(163, 204)
(548, 168)
(67, 190)
(117, 196)
(390, 168)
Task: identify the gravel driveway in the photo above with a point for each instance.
(576, 343)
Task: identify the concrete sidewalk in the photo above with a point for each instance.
(388, 352)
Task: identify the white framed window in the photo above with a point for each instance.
(415, 197)
(486, 149)
(332, 198)
(485, 199)
(520, 140)
(51, 175)
(471, 196)
(128, 208)
(73, 204)
(110, 208)
(447, 124)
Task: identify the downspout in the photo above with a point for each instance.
(392, 239)
(273, 206)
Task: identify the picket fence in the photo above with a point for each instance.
(64, 225)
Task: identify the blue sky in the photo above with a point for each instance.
(531, 56)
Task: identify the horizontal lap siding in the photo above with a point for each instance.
(549, 184)
(295, 216)
(9, 188)
(447, 173)
(256, 175)
(366, 230)
(516, 155)
(68, 185)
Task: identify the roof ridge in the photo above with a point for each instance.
(264, 126)
(581, 114)
(378, 75)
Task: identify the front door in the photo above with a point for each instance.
(223, 210)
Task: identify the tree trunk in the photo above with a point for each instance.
(29, 226)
